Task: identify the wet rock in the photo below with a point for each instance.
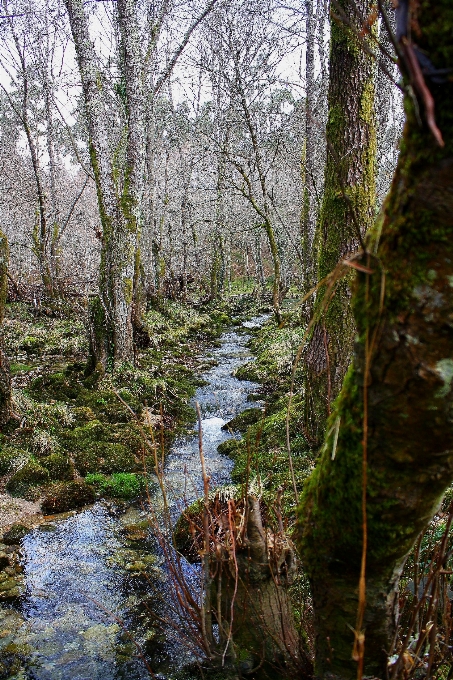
(137, 532)
(58, 466)
(255, 396)
(31, 475)
(11, 594)
(241, 422)
(7, 584)
(229, 448)
(66, 496)
(138, 566)
(14, 535)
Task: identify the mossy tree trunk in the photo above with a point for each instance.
(347, 209)
(251, 592)
(119, 189)
(390, 431)
(308, 216)
(5, 376)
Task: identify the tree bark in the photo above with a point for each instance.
(5, 376)
(387, 457)
(347, 210)
(262, 611)
(308, 218)
(117, 197)
(251, 588)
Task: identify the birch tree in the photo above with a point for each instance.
(5, 376)
(30, 47)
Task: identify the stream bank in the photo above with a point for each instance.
(92, 578)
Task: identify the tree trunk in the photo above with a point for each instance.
(251, 591)
(5, 376)
(40, 236)
(347, 209)
(387, 131)
(247, 571)
(117, 196)
(308, 218)
(134, 174)
(259, 269)
(390, 432)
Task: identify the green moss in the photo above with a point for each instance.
(262, 457)
(67, 414)
(347, 207)
(241, 422)
(15, 534)
(16, 368)
(127, 290)
(275, 348)
(59, 466)
(9, 456)
(119, 485)
(4, 262)
(230, 447)
(30, 475)
(66, 496)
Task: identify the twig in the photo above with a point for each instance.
(420, 85)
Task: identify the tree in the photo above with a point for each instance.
(347, 208)
(29, 47)
(5, 376)
(254, 134)
(118, 163)
(387, 460)
(314, 141)
(118, 186)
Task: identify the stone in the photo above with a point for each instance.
(15, 535)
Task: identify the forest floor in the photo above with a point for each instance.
(78, 436)
(14, 510)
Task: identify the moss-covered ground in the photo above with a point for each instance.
(71, 425)
(261, 455)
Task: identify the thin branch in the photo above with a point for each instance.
(71, 211)
(168, 71)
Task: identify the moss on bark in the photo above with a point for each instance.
(399, 388)
(5, 376)
(347, 209)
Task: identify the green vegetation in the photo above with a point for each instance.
(261, 457)
(119, 485)
(74, 422)
(64, 496)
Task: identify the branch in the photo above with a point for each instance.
(73, 144)
(168, 71)
(63, 228)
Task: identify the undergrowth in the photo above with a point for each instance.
(262, 452)
(72, 424)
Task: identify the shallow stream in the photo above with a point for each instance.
(94, 578)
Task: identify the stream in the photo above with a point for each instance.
(94, 578)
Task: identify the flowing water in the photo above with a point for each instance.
(92, 577)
